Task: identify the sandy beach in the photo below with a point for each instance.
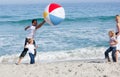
(73, 48)
(61, 69)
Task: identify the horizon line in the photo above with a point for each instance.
(53, 2)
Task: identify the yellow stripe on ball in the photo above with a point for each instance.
(45, 14)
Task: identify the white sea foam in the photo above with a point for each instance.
(77, 54)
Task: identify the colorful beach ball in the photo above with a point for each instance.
(54, 14)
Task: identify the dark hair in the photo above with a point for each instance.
(116, 33)
(117, 15)
(33, 20)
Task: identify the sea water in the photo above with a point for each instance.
(82, 35)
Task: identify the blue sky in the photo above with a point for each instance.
(48, 1)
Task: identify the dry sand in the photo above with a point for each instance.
(61, 69)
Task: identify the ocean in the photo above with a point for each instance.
(82, 35)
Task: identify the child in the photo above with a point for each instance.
(31, 50)
(112, 47)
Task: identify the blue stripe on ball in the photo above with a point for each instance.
(55, 20)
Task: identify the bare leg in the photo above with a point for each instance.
(19, 61)
(24, 52)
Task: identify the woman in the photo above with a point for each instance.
(118, 36)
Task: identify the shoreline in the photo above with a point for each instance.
(90, 68)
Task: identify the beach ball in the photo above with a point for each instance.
(54, 14)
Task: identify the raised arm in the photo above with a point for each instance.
(27, 27)
(118, 27)
(38, 26)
